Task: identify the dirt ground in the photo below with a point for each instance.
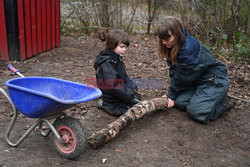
(165, 138)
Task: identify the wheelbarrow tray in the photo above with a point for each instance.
(39, 97)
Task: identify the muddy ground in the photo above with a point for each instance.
(165, 138)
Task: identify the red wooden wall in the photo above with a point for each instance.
(38, 27)
(42, 26)
(3, 35)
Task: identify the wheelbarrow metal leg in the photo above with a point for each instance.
(42, 132)
(13, 122)
(13, 119)
(33, 126)
(24, 135)
(53, 129)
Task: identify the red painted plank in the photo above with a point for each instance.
(3, 36)
(53, 23)
(44, 25)
(39, 25)
(48, 24)
(57, 23)
(20, 11)
(33, 27)
(28, 28)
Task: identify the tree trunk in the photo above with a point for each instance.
(134, 11)
(182, 13)
(99, 138)
(149, 17)
(120, 13)
(105, 13)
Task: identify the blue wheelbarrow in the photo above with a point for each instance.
(45, 99)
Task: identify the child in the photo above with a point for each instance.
(119, 91)
(198, 82)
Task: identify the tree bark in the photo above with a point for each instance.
(134, 11)
(149, 17)
(151, 14)
(105, 13)
(99, 138)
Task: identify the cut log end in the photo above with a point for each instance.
(97, 140)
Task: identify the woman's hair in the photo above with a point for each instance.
(173, 25)
(116, 37)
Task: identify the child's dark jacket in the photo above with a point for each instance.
(112, 79)
(196, 65)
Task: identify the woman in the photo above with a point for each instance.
(198, 82)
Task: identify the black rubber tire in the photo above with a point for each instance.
(78, 130)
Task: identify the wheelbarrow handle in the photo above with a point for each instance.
(14, 70)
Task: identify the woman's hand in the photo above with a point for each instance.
(170, 102)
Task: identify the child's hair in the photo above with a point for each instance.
(173, 25)
(116, 37)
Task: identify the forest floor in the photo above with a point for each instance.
(165, 138)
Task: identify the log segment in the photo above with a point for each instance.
(99, 138)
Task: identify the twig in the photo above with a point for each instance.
(132, 16)
(68, 16)
(140, 21)
(247, 101)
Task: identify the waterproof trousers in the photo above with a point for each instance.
(203, 102)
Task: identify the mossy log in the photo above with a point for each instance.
(99, 138)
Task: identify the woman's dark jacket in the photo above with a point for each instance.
(112, 79)
(196, 65)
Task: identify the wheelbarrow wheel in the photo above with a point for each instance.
(72, 132)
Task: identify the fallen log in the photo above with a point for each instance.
(99, 138)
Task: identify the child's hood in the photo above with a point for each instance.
(103, 56)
